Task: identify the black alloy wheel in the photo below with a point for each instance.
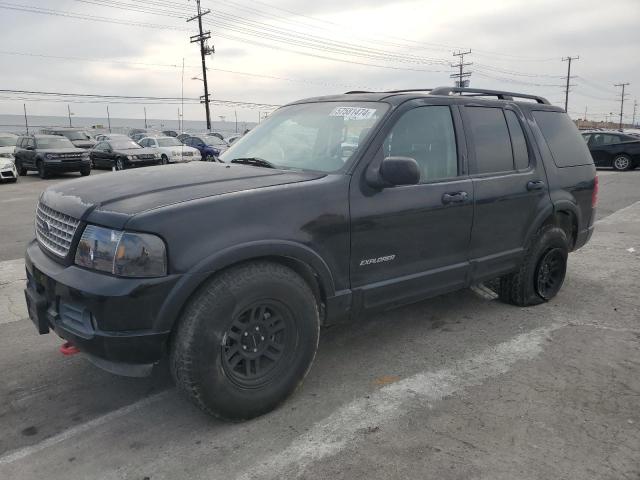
(550, 273)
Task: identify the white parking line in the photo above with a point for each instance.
(72, 432)
(341, 428)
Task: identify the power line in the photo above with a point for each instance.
(566, 92)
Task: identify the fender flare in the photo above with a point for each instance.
(552, 209)
(192, 280)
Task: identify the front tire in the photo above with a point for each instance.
(246, 340)
(542, 271)
(21, 170)
(42, 171)
(85, 171)
(210, 158)
(164, 160)
(622, 162)
(119, 164)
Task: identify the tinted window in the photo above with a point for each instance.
(21, 142)
(124, 145)
(611, 139)
(518, 141)
(491, 139)
(426, 134)
(586, 137)
(563, 138)
(169, 142)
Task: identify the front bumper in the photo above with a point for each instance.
(67, 166)
(8, 173)
(107, 317)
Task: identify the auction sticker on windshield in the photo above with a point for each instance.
(353, 113)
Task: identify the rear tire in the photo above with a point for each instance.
(622, 162)
(246, 340)
(542, 271)
(85, 171)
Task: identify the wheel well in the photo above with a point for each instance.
(566, 220)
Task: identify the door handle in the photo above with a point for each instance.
(535, 185)
(456, 197)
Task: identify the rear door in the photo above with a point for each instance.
(509, 185)
(410, 242)
(30, 152)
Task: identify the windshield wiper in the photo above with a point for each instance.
(254, 161)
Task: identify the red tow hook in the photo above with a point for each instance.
(68, 349)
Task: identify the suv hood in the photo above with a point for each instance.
(84, 143)
(61, 150)
(111, 199)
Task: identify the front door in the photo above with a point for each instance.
(411, 242)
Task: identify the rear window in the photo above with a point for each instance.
(567, 146)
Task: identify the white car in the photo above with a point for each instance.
(171, 149)
(8, 170)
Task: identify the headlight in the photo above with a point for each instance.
(131, 157)
(4, 164)
(6, 155)
(121, 253)
(85, 155)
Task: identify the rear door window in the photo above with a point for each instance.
(518, 141)
(491, 140)
(563, 138)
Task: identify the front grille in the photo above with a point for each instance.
(146, 156)
(55, 230)
(188, 154)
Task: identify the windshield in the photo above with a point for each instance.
(77, 135)
(124, 145)
(169, 142)
(312, 136)
(54, 142)
(8, 141)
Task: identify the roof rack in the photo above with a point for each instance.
(477, 92)
(470, 92)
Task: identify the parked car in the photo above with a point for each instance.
(170, 133)
(170, 149)
(611, 149)
(121, 154)
(111, 136)
(232, 138)
(230, 269)
(213, 134)
(210, 147)
(8, 172)
(136, 137)
(49, 154)
(78, 136)
(183, 136)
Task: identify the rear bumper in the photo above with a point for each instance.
(583, 237)
(109, 318)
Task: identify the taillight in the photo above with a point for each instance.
(594, 194)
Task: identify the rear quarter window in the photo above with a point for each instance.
(567, 146)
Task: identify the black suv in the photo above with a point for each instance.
(48, 154)
(332, 207)
(77, 136)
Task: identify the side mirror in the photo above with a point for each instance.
(396, 171)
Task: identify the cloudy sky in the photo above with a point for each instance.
(276, 51)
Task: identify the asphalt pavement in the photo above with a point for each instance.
(457, 387)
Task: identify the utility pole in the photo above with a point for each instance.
(180, 119)
(566, 92)
(205, 50)
(69, 110)
(635, 106)
(145, 117)
(622, 95)
(108, 118)
(461, 74)
(26, 122)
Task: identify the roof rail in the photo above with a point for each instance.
(477, 92)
